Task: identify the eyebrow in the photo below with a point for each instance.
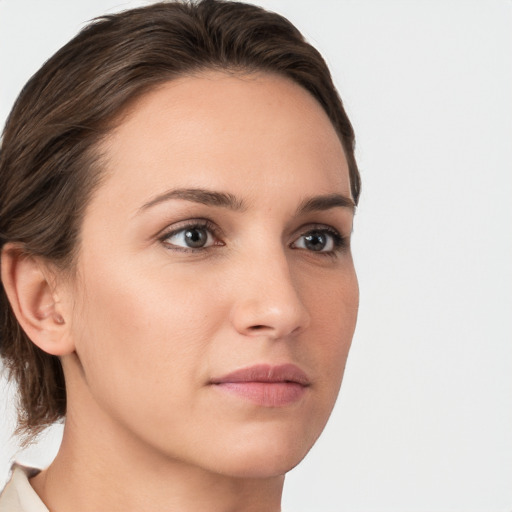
(326, 202)
(230, 201)
(198, 195)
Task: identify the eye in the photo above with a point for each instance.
(195, 236)
(319, 240)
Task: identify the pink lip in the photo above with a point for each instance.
(266, 385)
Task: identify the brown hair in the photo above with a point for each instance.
(48, 166)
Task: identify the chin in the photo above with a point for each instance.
(259, 465)
(263, 456)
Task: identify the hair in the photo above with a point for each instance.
(49, 165)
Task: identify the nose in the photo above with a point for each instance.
(268, 301)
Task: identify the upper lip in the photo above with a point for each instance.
(266, 373)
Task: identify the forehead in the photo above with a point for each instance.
(225, 131)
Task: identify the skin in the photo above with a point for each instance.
(148, 323)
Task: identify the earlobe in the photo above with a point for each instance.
(29, 286)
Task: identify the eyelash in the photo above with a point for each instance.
(339, 242)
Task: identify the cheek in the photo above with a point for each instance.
(332, 299)
(142, 334)
(333, 309)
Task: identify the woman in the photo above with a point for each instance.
(178, 187)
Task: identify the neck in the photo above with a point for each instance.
(106, 468)
(105, 486)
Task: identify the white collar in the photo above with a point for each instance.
(18, 495)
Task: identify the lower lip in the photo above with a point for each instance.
(267, 394)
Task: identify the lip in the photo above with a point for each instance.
(265, 385)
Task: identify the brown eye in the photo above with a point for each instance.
(319, 240)
(196, 237)
(191, 237)
(316, 241)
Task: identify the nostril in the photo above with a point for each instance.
(257, 327)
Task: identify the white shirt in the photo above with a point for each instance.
(18, 495)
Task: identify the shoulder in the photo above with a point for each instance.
(18, 495)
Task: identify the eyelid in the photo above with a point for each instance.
(317, 226)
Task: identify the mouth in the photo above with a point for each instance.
(265, 385)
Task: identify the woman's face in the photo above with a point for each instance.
(219, 241)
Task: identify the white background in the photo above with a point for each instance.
(424, 421)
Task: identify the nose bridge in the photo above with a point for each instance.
(269, 303)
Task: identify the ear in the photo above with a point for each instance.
(30, 287)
